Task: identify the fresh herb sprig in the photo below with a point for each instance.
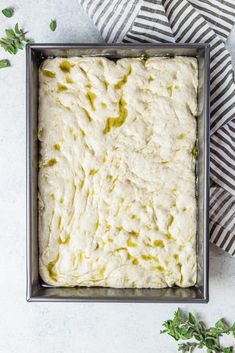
(15, 39)
(183, 327)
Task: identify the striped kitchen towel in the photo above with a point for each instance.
(189, 21)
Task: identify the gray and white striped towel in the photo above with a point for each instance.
(189, 21)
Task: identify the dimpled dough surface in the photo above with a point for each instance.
(117, 172)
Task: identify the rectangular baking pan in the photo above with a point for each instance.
(39, 291)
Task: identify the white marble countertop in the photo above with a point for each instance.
(61, 328)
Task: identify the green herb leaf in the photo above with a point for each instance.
(192, 319)
(187, 347)
(53, 25)
(8, 12)
(228, 350)
(4, 63)
(10, 33)
(17, 30)
(221, 325)
(233, 329)
(15, 39)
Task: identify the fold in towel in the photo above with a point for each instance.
(189, 21)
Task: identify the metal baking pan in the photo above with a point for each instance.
(39, 291)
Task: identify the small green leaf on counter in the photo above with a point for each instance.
(187, 327)
(4, 63)
(228, 350)
(53, 25)
(17, 30)
(233, 330)
(10, 33)
(15, 39)
(8, 12)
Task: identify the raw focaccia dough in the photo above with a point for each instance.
(117, 172)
